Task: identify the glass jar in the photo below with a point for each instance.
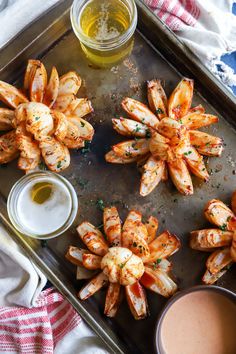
(42, 219)
(105, 29)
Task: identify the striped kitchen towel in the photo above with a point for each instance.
(207, 27)
(39, 329)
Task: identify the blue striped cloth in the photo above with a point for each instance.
(230, 59)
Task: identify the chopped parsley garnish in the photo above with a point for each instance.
(135, 244)
(155, 264)
(37, 118)
(223, 227)
(187, 153)
(59, 164)
(82, 182)
(137, 129)
(42, 166)
(100, 204)
(148, 134)
(82, 124)
(128, 154)
(159, 111)
(121, 265)
(86, 147)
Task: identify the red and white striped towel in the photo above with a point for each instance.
(175, 14)
(207, 27)
(39, 329)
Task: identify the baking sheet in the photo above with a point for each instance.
(118, 185)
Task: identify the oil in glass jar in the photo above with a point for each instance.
(105, 28)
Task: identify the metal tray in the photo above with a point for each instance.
(157, 53)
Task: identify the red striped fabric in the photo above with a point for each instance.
(37, 330)
(175, 13)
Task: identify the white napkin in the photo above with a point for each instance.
(207, 27)
(20, 280)
(18, 13)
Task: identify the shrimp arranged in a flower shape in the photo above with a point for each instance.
(44, 121)
(130, 256)
(166, 138)
(222, 238)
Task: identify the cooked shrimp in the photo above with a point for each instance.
(180, 100)
(112, 226)
(29, 149)
(180, 176)
(157, 98)
(218, 260)
(220, 215)
(196, 120)
(206, 144)
(69, 83)
(52, 89)
(128, 127)
(151, 226)
(113, 298)
(152, 175)
(11, 96)
(55, 154)
(113, 158)
(8, 147)
(37, 82)
(137, 301)
(163, 246)
(73, 138)
(159, 282)
(93, 286)
(86, 131)
(75, 255)
(6, 119)
(207, 239)
(91, 261)
(139, 112)
(93, 238)
(131, 148)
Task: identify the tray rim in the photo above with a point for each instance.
(111, 342)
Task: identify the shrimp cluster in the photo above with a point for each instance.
(222, 238)
(45, 121)
(165, 137)
(131, 257)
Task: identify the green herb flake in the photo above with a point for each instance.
(121, 265)
(82, 124)
(159, 111)
(86, 147)
(42, 166)
(135, 244)
(137, 129)
(223, 227)
(148, 134)
(100, 204)
(59, 164)
(37, 118)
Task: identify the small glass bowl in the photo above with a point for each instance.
(104, 53)
(13, 199)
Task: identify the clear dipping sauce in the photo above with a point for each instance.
(201, 322)
(42, 205)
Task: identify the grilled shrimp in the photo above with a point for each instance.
(55, 154)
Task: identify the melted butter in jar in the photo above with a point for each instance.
(105, 29)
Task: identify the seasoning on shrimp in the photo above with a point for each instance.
(169, 142)
(130, 255)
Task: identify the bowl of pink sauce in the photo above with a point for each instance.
(199, 320)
